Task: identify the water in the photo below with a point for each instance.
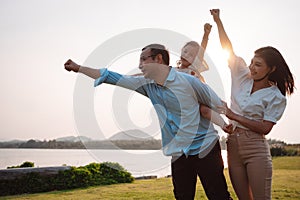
(137, 162)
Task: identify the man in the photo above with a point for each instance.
(190, 139)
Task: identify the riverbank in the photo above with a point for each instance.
(286, 185)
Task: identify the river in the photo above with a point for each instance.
(137, 162)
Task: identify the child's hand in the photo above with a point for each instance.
(207, 28)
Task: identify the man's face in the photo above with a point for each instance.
(145, 66)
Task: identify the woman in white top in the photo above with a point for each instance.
(257, 103)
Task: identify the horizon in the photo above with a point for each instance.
(93, 139)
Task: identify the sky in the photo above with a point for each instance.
(39, 98)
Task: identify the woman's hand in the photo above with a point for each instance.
(226, 111)
(216, 14)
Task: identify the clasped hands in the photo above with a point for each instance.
(223, 109)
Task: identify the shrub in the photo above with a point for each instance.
(278, 151)
(114, 172)
(283, 151)
(24, 164)
(76, 177)
(72, 178)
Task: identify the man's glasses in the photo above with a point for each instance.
(144, 58)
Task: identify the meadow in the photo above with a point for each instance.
(286, 185)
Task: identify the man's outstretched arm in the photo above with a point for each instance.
(134, 83)
(72, 66)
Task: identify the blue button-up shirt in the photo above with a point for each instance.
(184, 130)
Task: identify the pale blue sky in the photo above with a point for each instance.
(37, 37)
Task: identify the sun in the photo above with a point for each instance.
(222, 54)
(225, 54)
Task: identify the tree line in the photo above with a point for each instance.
(93, 144)
(278, 148)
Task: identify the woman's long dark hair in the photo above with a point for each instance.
(282, 75)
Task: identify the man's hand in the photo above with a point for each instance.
(207, 28)
(228, 128)
(71, 66)
(216, 14)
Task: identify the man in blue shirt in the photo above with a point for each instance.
(190, 139)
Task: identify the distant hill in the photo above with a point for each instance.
(15, 141)
(73, 139)
(131, 135)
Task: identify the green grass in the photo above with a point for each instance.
(286, 185)
(286, 163)
(286, 178)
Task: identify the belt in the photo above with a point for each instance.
(237, 131)
(187, 156)
(240, 129)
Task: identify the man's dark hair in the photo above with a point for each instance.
(159, 49)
